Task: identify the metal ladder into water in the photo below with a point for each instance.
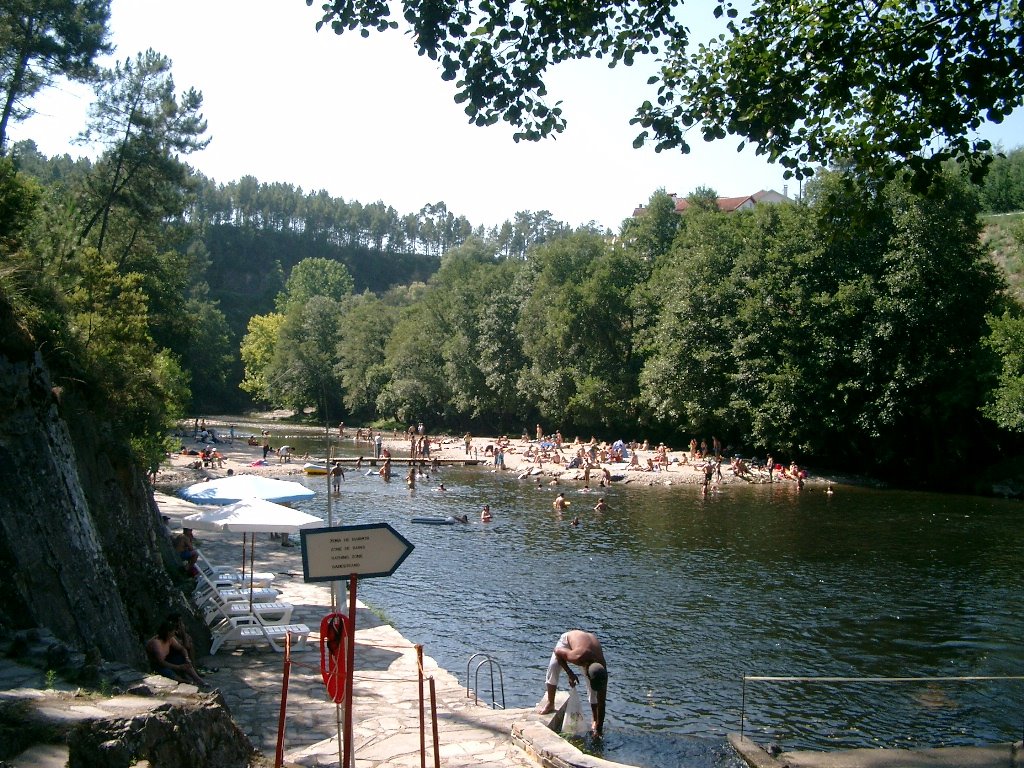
(474, 689)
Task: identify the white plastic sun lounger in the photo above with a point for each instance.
(206, 591)
(226, 576)
(219, 611)
(270, 613)
(257, 594)
(248, 630)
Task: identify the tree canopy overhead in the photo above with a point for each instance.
(40, 39)
(878, 83)
(870, 82)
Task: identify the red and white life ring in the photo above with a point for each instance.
(334, 655)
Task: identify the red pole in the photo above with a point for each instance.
(349, 753)
(423, 730)
(279, 755)
(433, 723)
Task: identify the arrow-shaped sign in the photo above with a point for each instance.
(333, 554)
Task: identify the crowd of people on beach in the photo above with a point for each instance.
(706, 463)
(704, 460)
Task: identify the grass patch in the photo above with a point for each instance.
(379, 613)
(1004, 236)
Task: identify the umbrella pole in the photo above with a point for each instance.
(252, 541)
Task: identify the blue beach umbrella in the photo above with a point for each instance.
(228, 490)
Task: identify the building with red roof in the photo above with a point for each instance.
(730, 204)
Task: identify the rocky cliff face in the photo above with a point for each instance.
(82, 551)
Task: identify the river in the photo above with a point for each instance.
(688, 595)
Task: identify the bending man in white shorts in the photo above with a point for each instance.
(584, 650)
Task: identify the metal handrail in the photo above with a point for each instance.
(491, 662)
(836, 679)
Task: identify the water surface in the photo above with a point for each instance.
(688, 595)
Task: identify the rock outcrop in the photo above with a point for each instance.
(190, 731)
(82, 549)
(135, 718)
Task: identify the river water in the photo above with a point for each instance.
(688, 595)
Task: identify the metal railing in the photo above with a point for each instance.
(840, 680)
(492, 664)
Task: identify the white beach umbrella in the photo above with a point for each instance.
(252, 516)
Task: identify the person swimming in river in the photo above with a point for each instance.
(485, 515)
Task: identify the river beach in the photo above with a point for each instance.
(680, 466)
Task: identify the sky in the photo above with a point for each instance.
(369, 119)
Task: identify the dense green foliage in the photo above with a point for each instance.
(884, 85)
(866, 326)
(850, 329)
(43, 39)
(96, 272)
(232, 247)
(1006, 406)
(1002, 191)
(826, 329)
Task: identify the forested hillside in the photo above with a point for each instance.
(259, 232)
(237, 243)
(866, 326)
(806, 329)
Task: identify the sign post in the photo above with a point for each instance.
(333, 553)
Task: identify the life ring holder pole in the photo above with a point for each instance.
(435, 735)
(282, 717)
(350, 662)
(285, 676)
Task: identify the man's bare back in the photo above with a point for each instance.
(584, 649)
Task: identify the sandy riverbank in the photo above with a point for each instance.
(240, 457)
